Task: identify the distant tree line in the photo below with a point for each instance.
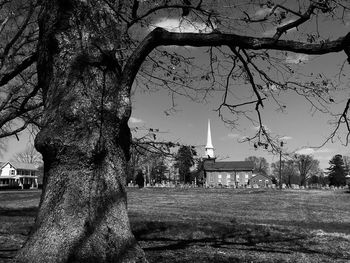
(304, 169)
(147, 167)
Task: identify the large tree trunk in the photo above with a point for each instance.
(85, 141)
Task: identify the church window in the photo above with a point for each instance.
(211, 178)
(219, 178)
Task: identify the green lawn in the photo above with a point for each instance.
(216, 225)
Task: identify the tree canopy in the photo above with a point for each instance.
(307, 166)
(336, 171)
(251, 49)
(20, 96)
(184, 161)
(289, 172)
(261, 166)
(297, 170)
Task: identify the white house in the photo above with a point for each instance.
(14, 174)
(347, 178)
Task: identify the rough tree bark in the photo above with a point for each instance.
(84, 142)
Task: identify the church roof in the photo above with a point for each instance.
(229, 166)
(261, 175)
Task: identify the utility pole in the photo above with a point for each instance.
(148, 174)
(281, 145)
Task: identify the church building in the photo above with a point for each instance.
(229, 174)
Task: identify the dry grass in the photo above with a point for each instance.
(215, 225)
(225, 225)
(17, 213)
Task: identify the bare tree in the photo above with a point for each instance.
(260, 164)
(88, 56)
(29, 155)
(346, 160)
(20, 98)
(307, 166)
(289, 171)
(147, 150)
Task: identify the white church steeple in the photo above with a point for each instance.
(209, 149)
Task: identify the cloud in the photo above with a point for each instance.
(306, 151)
(256, 128)
(135, 120)
(296, 58)
(311, 151)
(269, 33)
(347, 19)
(244, 138)
(261, 13)
(324, 150)
(232, 135)
(182, 25)
(288, 22)
(286, 138)
(271, 87)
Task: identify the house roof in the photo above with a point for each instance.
(261, 175)
(19, 165)
(229, 166)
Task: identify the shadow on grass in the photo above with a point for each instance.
(15, 225)
(168, 237)
(340, 227)
(20, 212)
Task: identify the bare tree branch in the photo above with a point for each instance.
(19, 33)
(6, 77)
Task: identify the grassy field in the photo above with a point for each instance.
(215, 225)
